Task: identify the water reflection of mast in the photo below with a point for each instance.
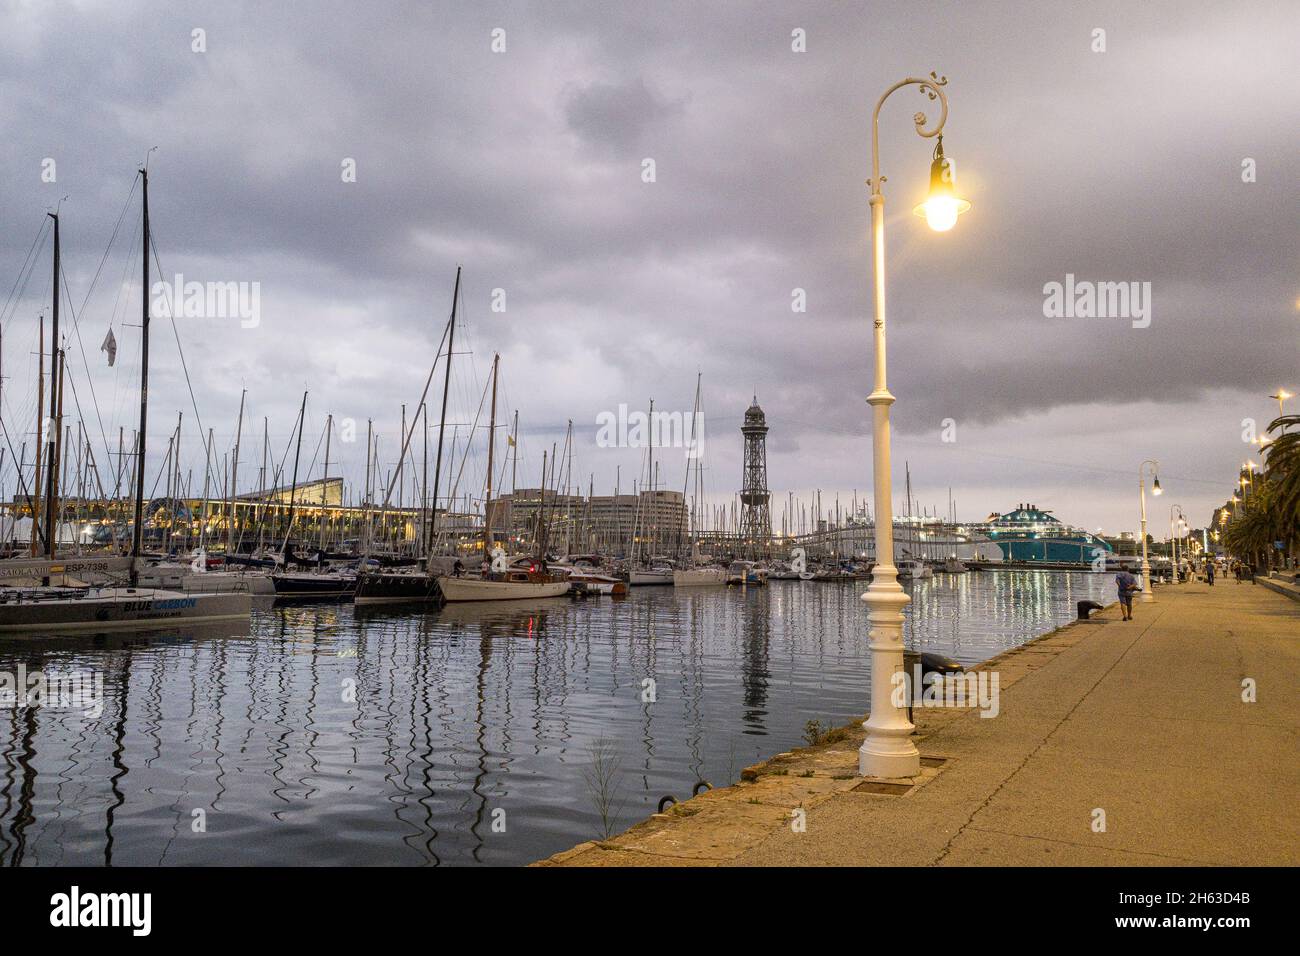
(309, 727)
(693, 701)
(421, 675)
(119, 748)
(24, 816)
(219, 681)
(651, 669)
(480, 738)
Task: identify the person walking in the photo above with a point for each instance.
(1209, 572)
(1236, 570)
(1126, 584)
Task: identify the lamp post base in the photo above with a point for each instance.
(888, 750)
(889, 765)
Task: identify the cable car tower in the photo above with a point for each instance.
(755, 510)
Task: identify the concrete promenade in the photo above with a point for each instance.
(1141, 720)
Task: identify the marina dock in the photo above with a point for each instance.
(1116, 743)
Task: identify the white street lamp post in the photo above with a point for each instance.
(1173, 547)
(888, 750)
(1147, 596)
(1173, 541)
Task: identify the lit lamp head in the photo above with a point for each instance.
(942, 207)
(1155, 486)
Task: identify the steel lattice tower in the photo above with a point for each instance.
(755, 511)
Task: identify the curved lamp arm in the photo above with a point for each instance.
(931, 87)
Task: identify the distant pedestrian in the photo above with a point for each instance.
(1236, 570)
(1126, 584)
(1209, 573)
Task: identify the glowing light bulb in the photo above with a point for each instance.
(942, 207)
(941, 213)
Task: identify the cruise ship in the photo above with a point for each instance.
(1031, 534)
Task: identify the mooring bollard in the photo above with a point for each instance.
(1086, 607)
(930, 664)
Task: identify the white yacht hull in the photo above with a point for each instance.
(475, 589)
(699, 577)
(647, 576)
(206, 582)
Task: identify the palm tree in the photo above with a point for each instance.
(1254, 525)
(1271, 512)
(1282, 466)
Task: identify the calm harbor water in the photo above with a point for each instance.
(337, 735)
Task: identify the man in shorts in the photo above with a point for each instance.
(1127, 585)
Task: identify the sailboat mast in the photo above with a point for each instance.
(59, 467)
(40, 435)
(293, 490)
(442, 417)
(324, 488)
(492, 435)
(424, 481)
(261, 486)
(650, 476)
(52, 473)
(514, 443)
(137, 535)
(207, 487)
(691, 456)
(234, 477)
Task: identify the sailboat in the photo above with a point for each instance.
(699, 574)
(87, 608)
(911, 568)
(323, 583)
(197, 578)
(417, 585)
(658, 569)
(503, 582)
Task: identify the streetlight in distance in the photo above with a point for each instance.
(1173, 539)
(1281, 396)
(1147, 596)
(888, 750)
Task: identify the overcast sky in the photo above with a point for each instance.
(526, 168)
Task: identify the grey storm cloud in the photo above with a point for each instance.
(616, 117)
(525, 167)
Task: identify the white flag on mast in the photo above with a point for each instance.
(110, 346)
